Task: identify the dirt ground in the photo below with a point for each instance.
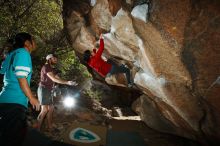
(98, 115)
(150, 136)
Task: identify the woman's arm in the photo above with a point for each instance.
(27, 91)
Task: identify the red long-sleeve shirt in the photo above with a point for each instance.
(97, 63)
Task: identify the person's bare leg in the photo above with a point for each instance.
(41, 116)
(50, 116)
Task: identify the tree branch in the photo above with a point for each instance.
(26, 10)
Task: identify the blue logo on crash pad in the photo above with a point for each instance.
(83, 136)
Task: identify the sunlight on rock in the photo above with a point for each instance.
(144, 60)
(122, 28)
(128, 1)
(140, 12)
(155, 85)
(136, 118)
(92, 2)
(218, 80)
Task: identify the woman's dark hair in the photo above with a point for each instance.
(20, 39)
(86, 55)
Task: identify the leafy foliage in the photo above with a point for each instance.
(70, 67)
(42, 19)
(94, 94)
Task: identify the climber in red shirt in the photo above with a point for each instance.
(105, 68)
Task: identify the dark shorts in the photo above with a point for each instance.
(13, 124)
(44, 95)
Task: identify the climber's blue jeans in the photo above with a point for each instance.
(120, 69)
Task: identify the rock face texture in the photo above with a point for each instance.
(173, 50)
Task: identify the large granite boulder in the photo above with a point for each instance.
(176, 48)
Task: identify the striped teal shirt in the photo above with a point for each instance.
(16, 65)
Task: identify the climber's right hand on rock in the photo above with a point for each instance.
(101, 36)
